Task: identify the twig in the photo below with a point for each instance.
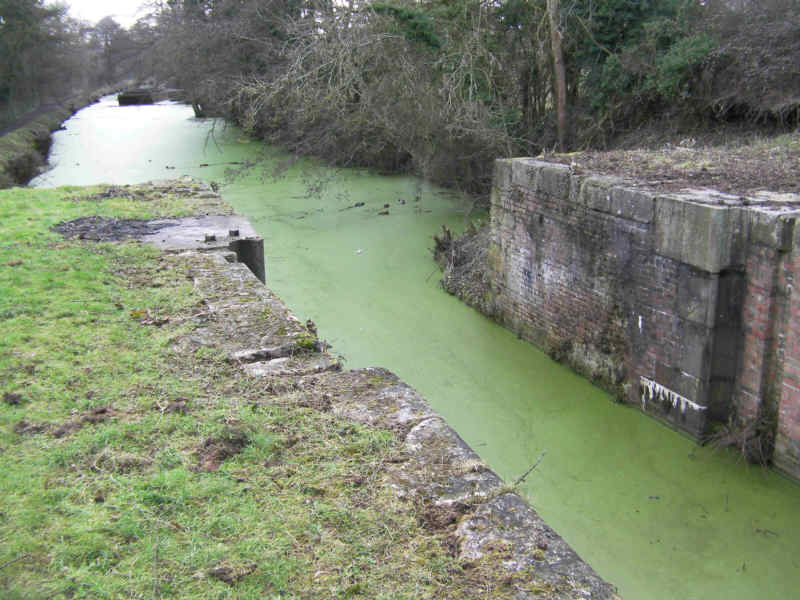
(591, 37)
(13, 560)
(529, 471)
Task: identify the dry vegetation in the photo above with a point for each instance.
(755, 164)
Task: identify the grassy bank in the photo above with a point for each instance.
(133, 465)
(24, 151)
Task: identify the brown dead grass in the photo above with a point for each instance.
(744, 167)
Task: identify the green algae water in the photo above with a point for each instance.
(653, 513)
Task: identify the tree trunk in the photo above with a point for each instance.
(559, 72)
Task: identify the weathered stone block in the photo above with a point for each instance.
(701, 235)
(509, 220)
(524, 172)
(694, 352)
(287, 366)
(529, 544)
(785, 198)
(672, 406)
(720, 400)
(683, 383)
(595, 193)
(502, 174)
(669, 226)
(772, 228)
(697, 296)
(730, 298)
(708, 236)
(554, 180)
(710, 196)
(635, 205)
(495, 197)
(444, 467)
(395, 407)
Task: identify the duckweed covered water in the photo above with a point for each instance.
(652, 512)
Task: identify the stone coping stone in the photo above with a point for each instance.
(292, 366)
(550, 176)
(700, 227)
(209, 232)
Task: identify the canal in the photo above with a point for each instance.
(653, 513)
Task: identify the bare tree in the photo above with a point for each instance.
(559, 72)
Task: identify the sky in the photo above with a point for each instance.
(125, 12)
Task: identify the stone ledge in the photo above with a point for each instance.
(509, 524)
(704, 228)
(701, 235)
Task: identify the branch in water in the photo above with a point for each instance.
(529, 471)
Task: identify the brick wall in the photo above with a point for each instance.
(680, 303)
(787, 442)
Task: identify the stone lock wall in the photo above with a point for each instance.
(681, 303)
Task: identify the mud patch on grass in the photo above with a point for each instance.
(231, 574)
(105, 229)
(109, 461)
(215, 451)
(435, 517)
(173, 407)
(13, 399)
(67, 428)
(24, 427)
(95, 415)
(98, 414)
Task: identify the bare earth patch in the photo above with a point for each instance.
(105, 229)
(98, 414)
(214, 451)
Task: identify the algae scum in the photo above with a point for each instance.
(650, 511)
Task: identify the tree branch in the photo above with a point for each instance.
(529, 471)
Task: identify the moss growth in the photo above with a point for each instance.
(306, 342)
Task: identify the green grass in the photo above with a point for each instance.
(103, 491)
